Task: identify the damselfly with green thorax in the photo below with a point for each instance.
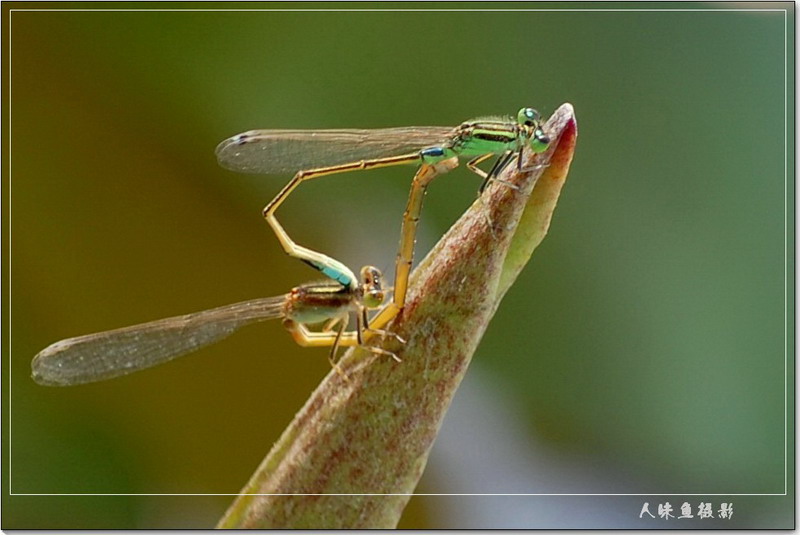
(109, 354)
(316, 153)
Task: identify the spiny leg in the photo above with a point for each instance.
(408, 237)
(496, 169)
(535, 167)
(472, 165)
(408, 232)
(498, 166)
(305, 337)
(362, 326)
(330, 324)
(335, 349)
(366, 328)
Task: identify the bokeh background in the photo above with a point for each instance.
(642, 353)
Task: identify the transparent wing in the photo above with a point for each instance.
(289, 151)
(108, 354)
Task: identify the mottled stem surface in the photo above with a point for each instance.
(353, 455)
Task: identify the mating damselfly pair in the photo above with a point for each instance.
(310, 154)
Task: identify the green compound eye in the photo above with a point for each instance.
(540, 141)
(528, 117)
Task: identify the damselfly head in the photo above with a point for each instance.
(373, 293)
(531, 121)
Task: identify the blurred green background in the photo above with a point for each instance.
(646, 342)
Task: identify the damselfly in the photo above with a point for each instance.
(108, 354)
(316, 153)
